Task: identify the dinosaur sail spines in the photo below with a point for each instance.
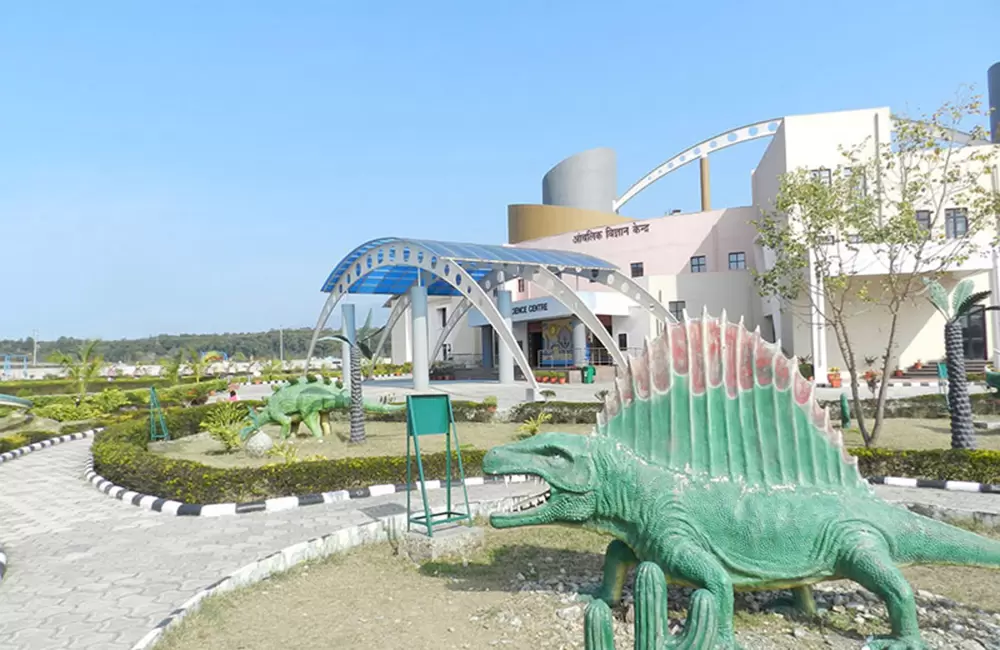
(709, 396)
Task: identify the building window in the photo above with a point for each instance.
(854, 239)
(923, 219)
(676, 308)
(856, 177)
(698, 264)
(443, 316)
(826, 239)
(737, 260)
(623, 341)
(821, 175)
(956, 222)
(637, 270)
(520, 285)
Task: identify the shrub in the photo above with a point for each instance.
(224, 423)
(109, 400)
(532, 426)
(62, 411)
(561, 412)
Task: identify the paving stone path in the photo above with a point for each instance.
(90, 572)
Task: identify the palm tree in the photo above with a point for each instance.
(963, 301)
(171, 367)
(199, 363)
(358, 348)
(83, 367)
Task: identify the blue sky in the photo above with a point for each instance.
(201, 166)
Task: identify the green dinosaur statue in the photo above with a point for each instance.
(713, 459)
(308, 402)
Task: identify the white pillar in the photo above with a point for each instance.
(579, 343)
(418, 310)
(994, 339)
(347, 328)
(505, 357)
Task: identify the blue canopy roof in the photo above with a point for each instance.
(477, 259)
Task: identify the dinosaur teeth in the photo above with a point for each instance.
(532, 502)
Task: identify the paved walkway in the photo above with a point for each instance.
(90, 572)
(512, 394)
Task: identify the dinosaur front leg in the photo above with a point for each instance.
(802, 601)
(867, 561)
(651, 622)
(688, 562)
(618, 561)
(285, 422)
(324, 422)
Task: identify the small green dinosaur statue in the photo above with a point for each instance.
(308, 402)
(713, 459)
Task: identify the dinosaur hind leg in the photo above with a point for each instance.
(867, 561)
(801, 601)
(324, 422)
(312, 421)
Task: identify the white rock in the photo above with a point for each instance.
(258, 445)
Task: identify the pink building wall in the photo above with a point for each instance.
(665, 245)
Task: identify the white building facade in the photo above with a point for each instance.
(703, 260)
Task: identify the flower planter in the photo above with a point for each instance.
(833, 380)
(897, 373)
(562, 380)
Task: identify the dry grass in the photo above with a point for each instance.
(371, 598)
(383, 439)
(912, 433)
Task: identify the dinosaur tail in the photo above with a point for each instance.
(923, 540)
(374, 407)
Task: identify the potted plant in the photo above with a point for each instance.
(872, 378)
(490, 402)
(898, 372)
(919, 364)
(562, 378)
(833, 376)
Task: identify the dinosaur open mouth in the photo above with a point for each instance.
(537, 509)
(533, 502)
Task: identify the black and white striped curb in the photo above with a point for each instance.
(317, 548)
(954, 486)
(42, 444)
(178, 508)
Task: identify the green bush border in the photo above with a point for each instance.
(120, 455)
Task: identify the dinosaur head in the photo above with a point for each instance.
(565, 461)
(253, 426)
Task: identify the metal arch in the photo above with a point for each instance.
(623, 284)
(398, 310)
(565, 294)
(453, 320)
(721, 141)
(635, 291)
(444, 268)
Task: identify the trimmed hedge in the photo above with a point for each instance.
(561, 412)
(980, 466)
(25, 438)
(120, 455)
(930, 406)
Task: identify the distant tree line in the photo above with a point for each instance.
(258, 345)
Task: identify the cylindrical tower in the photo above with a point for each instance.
(993, 82)
(587, 180)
